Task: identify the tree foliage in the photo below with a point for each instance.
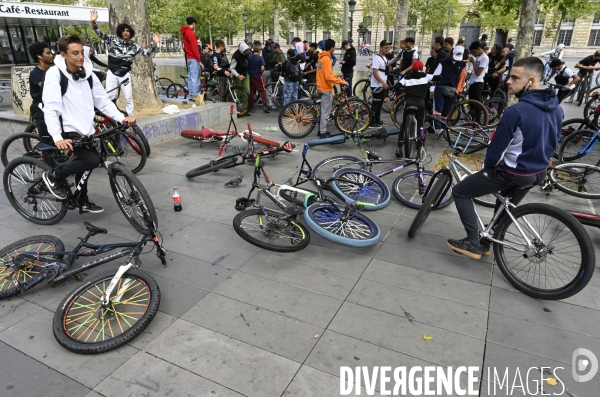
(434, 15)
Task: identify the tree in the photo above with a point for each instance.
(433, 15)
(400, 22)
(135, 13)
(526, 28)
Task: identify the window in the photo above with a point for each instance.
(594, 38)
(326, 35)
(248, 37)
(565, 36)
(6, 55)
(290, 37)
(389, 36)
(308, 36)
(537, 37)
(596, 18)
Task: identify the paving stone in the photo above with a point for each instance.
(160, 322)
(310, 382)
(270, 331)
(302, 304)
(298, 274)
(33, 336)
(236, 365)
(176, 297)
(17, 223)
(155, 377)
(22, 376)
(13, 310)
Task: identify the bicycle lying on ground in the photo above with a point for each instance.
(106, 311)
(541, 250)
(29, 196)
(278, 229)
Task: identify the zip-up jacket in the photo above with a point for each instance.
(77, 105)
(349, 60)
(527, 134)
(325, 77)
(417, 83)
(121, 52)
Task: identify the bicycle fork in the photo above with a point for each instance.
(105, 299)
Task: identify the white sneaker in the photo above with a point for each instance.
(438, 133)
(569, 100)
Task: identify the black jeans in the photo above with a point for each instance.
(85, 159)
(348, 78)
(486, 181)
(475, 91)
(419, 115)
(42, 129)
(562, 94)
(379, 95)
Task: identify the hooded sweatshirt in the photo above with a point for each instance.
(527, 134)
(325, 77)
(77, 105)
(190, 44)
(267, 54)
(349, 60)
(239, 60)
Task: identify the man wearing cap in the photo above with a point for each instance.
(278, 60)
(453, 71)
(239, 66)
(348, 64)
(564, 77)
(379, 85)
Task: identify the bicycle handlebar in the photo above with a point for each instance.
(104, 134)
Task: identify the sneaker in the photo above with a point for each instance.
(438, 133)
(374, 125)
(88, 205)
(266, 110)
(465, 247)
(323, 136)
(53, 185)
(569, 100)
(486, 247)
(399, 152)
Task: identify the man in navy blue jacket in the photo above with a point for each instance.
(518, 155)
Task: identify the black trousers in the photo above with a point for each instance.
(562, 94)
(379, 95)
(420, 115)
(486, 181)
(475, 91)
(42, 129)
(85, 159)
(348, 78)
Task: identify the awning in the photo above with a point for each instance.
(41, 14)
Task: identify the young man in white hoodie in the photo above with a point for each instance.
(71, 116)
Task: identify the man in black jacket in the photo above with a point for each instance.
(441, 52)
(348, 64)
(268, 55)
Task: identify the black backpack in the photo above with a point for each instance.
(294, 72)
(64, 83)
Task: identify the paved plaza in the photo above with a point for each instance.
(236, 320)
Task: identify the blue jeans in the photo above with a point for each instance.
(290, 91)
(348, 78)
(193, 77)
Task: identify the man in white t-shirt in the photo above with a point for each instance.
(299, 49)
(379, 84)
(480, 62)
(565, 78)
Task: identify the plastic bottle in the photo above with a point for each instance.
(273, 129)
(421, 133)
(176, 200)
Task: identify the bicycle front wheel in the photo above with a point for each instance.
(241, 98)
(327, 167)
(38, 245)
(354, 231)
(434, 196)
(580, 146)
(468, 111)
(83, 325)
(410, 186)
(137, 131)
(345, 116)
(274, 96)
(561, 260)
(360, 185)
(362, 89)
(274, 231)
(28, 194)
(162, 83)
(297, 119)
(133, 199)
(577, 179)
(176, 91)
(128, 150)
(397, 110)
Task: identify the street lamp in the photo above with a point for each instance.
(352, 8)
(245, 17)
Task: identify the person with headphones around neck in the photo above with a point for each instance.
(71, 116)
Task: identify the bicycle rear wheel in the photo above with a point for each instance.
(32, 245)
(27, 192)
(133, 199)
(274, 231)
(580, 146)
(410, 136)
(361, 186)
(274, 96)
(407, 189)
(176, 91)
(356, 231)
(397, 110)
(344, 117)
(241, 98)
(327, 167)
(297, 119)
(577, 179)
(82, 325)
(20, 145)
(362, 89)
(562, 260)
(162, 83)
(468, 111)
(589, 111)
(137, 131)
(213, 166)
(496, 108)
(434, 196)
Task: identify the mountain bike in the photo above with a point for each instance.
(106, 311)
(591, 111)
(582, 91)
(298, 118)
(29, 196)
(162, 83)
(581, 146)
(362, 88)
(542, 251)
(275, 92)
(176, 90)
(278, 229)
(576, 179)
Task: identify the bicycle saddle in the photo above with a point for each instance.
(94, 229)
(44, 146)
(411, 108)
(512, 192)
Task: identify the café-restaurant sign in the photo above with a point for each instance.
(49, 11)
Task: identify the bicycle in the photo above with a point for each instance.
(580, 146)
(275, 92)
(238, 95)
(278, 229)
(365, 51)
(176, 90)
(531, 242)
(575, 179)
(298, 118)
(162, 83)
(91, 319)
(29, 196)
(591, 111)
(581, 93)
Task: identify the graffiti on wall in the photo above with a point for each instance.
(20, 88)
(172, 127)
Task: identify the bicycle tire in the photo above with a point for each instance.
(31, 127)
(362, 89)
(386, 106)
(242, 231)
(498, 93)
(129, 151)
(372, 189)
(275, 101)
(583, 87)
(496, 108)
(344, 117)
(571, 149)
(17, 188)
(133, 199)
(176, 90)
(573, 178)
(297, 119)
(411, 195)
(162, 83)
(410, 136)
(323, 219)
(433, 196)
(241, 98)
(327, 167)
(212, 167)
(137, 131)
(597, 80)
(591, 105)
(20, 145)
(37, 244)
(468, 111)
(583, 271)
(143, 288)
(397, 110)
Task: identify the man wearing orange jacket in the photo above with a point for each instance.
(325, 81)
